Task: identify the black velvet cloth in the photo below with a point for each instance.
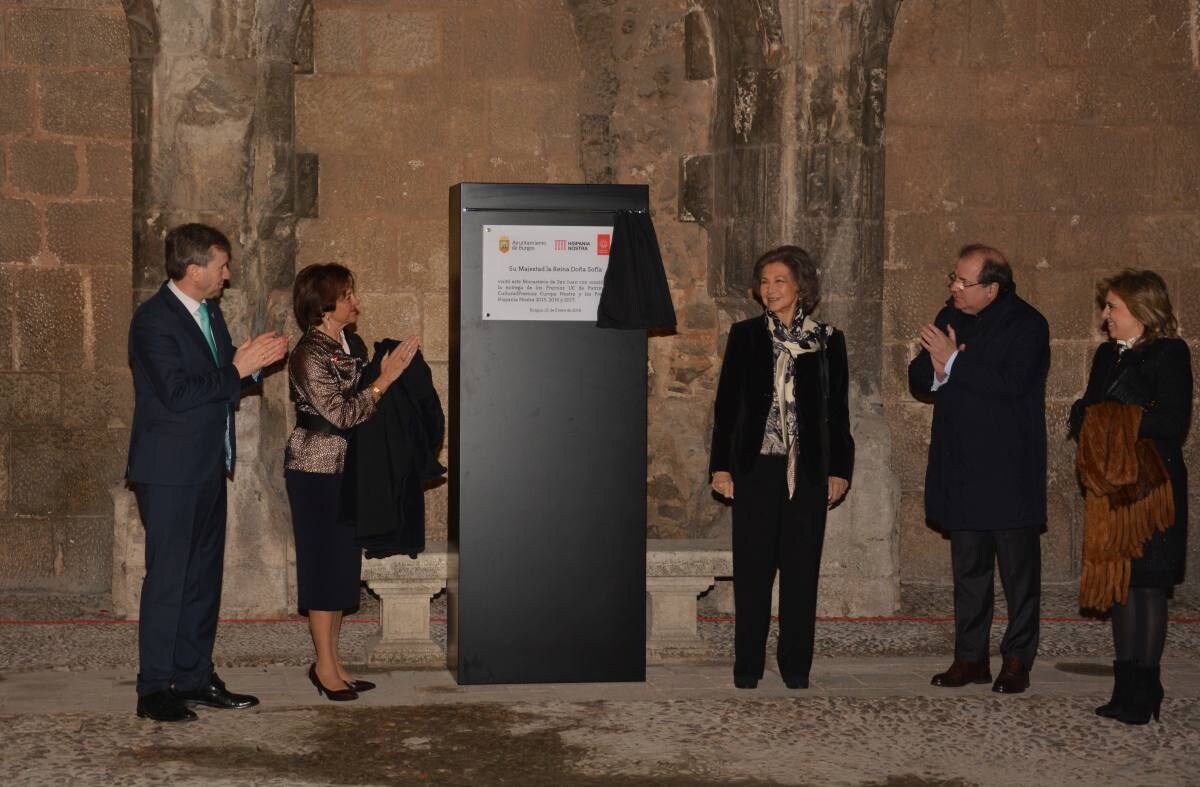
(635, 293)
(390, 458)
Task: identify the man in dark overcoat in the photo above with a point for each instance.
(983, 363)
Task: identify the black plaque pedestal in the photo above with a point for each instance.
(547, 465)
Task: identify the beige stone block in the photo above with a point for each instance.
(554, 47)
(897, 353)
(1172, 32)
(365, 244)
(47, 306)
(28, 399)
(933, 96)
(1004, 34)
(1102, 32)
(913, 299)
(83, 553)
(929, 34)
(924, 552)
(44, 167)
(1088, 242)
(346, 114)
(437, 514)
(1065, 299)
(1167, 240)
(100, 398)
(39, 36)
(1062, 541)
(919, 176)
(337, 41)
(110, 172)
(21, 238)
(424, 255)
(1026, 96)
(16, 110)
(90, 233)
(1060, 448)
(85, 103)
(27, 560)
(435, 324)
(111, 311)
(66, 472)
(364, 184)
(1117, 96)
(402, 43)
(389, 316)
(909, 424)
(526, 119)
(1069, 363)
(100, 40)
(1176, 168)
(486, 46)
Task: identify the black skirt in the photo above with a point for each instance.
(328, 558)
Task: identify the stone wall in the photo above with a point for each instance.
(407, 98)
(65, 392)
(1068, 135)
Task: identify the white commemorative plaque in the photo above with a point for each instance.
(533, 272)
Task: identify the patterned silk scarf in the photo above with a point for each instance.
(804, 335)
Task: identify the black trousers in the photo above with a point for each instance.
(181, 595)
(974, 555)
(772, 533)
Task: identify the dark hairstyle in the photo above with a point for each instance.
(192, 244)
(995, 270)
(804, 272)
(317, 290)
(1145, 295)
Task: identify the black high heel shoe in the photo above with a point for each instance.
(337, 695)
(360, 685)
(1145, 697)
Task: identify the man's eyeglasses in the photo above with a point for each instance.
(956, 281)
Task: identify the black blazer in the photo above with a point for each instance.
(181, 395)
(745, 392)
(987, 449)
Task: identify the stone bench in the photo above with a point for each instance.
(677, 572)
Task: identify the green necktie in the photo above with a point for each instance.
(206, 326)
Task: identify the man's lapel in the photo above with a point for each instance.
(187, 323)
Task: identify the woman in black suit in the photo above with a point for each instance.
(1144, 363)
(782, 452)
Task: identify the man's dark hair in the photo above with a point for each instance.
(996, 269)
(804, 272)
(192, 244)
(317, 290)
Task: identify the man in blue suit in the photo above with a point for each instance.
(187, 380)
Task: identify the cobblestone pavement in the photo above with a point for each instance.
(870, 718)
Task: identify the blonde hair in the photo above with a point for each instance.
(1145, 295)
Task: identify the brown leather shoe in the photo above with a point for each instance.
(962, 672)
(1013, 677)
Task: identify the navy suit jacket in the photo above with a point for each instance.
(181, 395)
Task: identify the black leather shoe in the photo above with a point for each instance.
(745, 683)
(360, 685)
(215, 695)
(164, 706)
(1013, 677)
(337, 695)
(796, 683)
(962, 672)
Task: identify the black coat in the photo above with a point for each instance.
(390, 457)
(1158, 377)
(745, 392)
(987, 449)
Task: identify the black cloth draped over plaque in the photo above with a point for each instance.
(635, 293)
(390, 458)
